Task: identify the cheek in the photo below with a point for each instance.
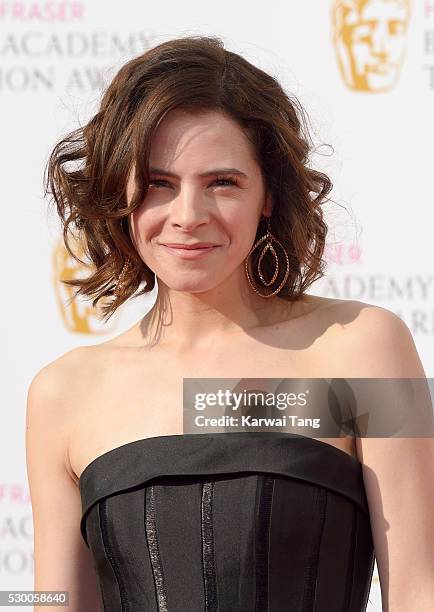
(245, 221)
(241, 230)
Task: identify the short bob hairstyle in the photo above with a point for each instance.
(194, 73)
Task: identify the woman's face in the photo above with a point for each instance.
(205, 186)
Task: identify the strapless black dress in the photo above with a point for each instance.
(228, 522)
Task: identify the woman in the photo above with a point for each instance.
(194, 156)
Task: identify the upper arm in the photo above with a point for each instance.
(398, 472)
(62, 561)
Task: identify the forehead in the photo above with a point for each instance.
(203, 135)
(178, 123)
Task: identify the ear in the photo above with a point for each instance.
(268, 206)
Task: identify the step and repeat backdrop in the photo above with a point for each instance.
(364, 72)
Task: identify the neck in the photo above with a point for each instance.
(190, 320)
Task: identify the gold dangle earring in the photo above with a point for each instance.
(119, 285)
(269, 246)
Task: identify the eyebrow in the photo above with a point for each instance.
(202, 174)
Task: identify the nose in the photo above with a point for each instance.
(189, 209)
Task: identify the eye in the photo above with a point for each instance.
(228, 182)
(156, 181)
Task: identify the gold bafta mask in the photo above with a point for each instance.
(79, 316)
(370, 41)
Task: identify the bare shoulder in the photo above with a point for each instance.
(66, 379)
(49, 383)
(355, 315)
(55, 394)
(362, 314)
(371, 341)
(58, 379)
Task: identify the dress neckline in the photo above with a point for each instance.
(165, 438)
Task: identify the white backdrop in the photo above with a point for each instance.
(371, 98)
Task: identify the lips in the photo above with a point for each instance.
(190, 252)
(197, 245)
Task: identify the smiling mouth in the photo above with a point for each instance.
(198, 245)
(189, 252)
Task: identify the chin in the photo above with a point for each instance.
(189, 285)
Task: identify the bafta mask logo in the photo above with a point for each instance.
(370, 41)
(79, 316)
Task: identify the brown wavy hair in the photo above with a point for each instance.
(195, 73)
